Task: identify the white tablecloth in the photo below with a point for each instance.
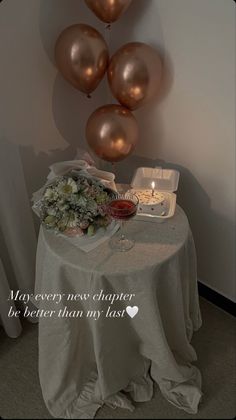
(84, 362)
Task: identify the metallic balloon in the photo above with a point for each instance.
(82, 56)
(134, 74)
(108, 10)
(112, 132)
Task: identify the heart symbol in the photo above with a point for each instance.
(132, 311)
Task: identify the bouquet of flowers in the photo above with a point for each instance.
(74, 204)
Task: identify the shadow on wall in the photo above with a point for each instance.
(71, 108)
(56, 15)
(151, 130)
(70, 114)
(212, 232)
(126, 25)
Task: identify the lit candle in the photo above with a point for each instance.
(153, 188)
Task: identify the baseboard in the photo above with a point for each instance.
(216, 298)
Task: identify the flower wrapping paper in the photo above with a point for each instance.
(74, 198)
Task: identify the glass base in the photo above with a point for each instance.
(121, 243)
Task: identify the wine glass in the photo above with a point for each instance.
(123, 207)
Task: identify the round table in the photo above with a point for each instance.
(126, 320)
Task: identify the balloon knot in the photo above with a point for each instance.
(89, 96)
(108, 26)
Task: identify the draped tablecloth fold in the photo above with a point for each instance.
(85, 362)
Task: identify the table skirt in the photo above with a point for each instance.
(85, 363)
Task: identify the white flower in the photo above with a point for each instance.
(50, 194)
(73, 203)
(51, 211)
(62, 224)
(92, 206)
(50, 220)
(74, 199)
(67, 187)
(62, 205)
(82, 202)
(72, 220)
(72, 184)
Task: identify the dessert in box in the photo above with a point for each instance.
(148, 201)
(155, 189)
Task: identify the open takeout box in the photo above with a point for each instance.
(166, 182)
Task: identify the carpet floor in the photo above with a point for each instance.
(21, 398)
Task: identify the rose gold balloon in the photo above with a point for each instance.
(108, 10)
(82, 56)
(112, 132)
(134, 74)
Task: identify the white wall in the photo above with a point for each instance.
(193, 129)
(199, 119)
(41, 119)
(39, 111)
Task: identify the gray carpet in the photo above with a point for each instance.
(20, 394)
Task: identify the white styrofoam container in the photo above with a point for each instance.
(166, 181)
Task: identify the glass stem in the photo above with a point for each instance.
(122, 235)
